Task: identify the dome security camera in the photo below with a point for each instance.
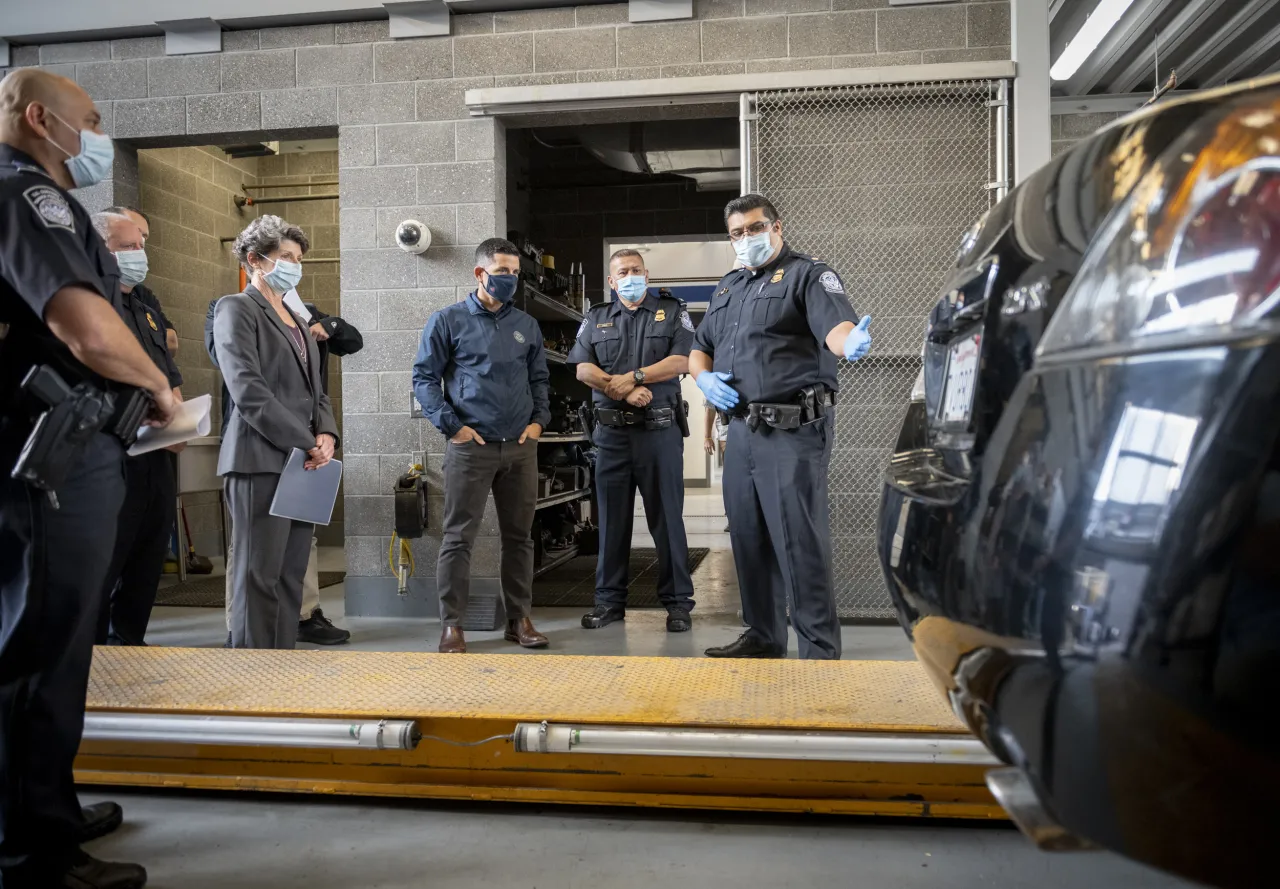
(413, 236)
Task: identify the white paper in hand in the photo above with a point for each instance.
(191, 421)
(293, 301)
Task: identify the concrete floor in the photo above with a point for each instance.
(196, 841)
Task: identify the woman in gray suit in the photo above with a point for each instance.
(271, 368)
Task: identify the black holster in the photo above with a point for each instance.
(61, 433)
(682, 417)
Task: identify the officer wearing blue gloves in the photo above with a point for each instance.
(766, 356)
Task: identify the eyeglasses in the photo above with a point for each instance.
(755, 228)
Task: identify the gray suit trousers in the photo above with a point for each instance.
(271, 559)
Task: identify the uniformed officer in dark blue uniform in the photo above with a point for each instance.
(59, 291)
(146, 517)
(481, 378)
(631, 352)
(766, 354)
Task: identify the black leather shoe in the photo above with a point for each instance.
(319, 630)
(747, 646)
(678, 620)
(90, 873)
(602, 616)
(100, 819)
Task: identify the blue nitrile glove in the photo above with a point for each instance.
(858, 343)
(718, 392)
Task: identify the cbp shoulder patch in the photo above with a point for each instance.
(581, 327)
(831, 282)
(51, 207)
(686, 322)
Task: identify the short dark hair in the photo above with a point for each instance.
(625, 252)
(122, 210)
(749, 202)
(492, 247)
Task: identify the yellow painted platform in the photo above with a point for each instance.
(469, 697)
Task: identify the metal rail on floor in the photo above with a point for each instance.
(850, 737)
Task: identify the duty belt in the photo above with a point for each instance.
(650, 418)
(809, 405)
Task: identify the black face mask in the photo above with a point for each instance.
(501, 287)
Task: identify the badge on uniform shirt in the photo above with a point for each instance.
(686, 322)
(519, 337)
(831, 282)
(660, 315)
(723, 292)
(777, 276)
(51, 207)
(606, 324)
(152, 321)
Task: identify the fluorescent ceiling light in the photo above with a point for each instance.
(1098, 25)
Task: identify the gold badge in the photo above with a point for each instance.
(151, 321)
(661, 315)
(723, 292)
(777, 276)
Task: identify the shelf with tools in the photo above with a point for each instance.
(564, 521)
(564, 497)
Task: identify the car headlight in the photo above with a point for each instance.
(1195, 248)
(969, 239)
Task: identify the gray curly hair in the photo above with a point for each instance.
(264, 234)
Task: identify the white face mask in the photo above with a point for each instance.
(133, 266)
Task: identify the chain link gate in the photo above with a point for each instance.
(878, 181)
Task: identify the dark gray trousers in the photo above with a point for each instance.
(775, 494)
(271, 559)
(471, 471)
(653, 462)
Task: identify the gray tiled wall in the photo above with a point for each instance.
(350, 78)
(1068, 129)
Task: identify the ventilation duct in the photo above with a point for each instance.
(705, 151)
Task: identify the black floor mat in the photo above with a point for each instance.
(211, 592)
(573, 584)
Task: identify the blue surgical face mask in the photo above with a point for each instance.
(285, 276)
(754, 250)
(93, 163)
(501, 287)
(133, 266)
(632, 288)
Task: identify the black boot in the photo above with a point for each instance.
(100, 819)
(319, 630)
(678, 620)
(747, 646)
(603, 615)
(90, 873)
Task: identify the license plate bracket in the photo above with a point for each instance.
(962, 380)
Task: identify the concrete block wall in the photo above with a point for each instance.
(1068, 129)
(408, 147)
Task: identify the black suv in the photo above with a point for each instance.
(1080, 527)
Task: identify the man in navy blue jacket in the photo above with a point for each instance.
(481, 377)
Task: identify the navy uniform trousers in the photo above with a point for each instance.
(652, 461)
(775, 495)
(52, 566)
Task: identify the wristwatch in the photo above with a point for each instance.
(638, 376)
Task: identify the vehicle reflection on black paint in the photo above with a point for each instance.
(1085, 544)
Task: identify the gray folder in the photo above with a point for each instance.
(307, 495)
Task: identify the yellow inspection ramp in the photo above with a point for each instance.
(469, 697)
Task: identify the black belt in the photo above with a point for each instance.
(650, 418)
(807, 406)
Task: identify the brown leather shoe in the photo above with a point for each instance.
(524, 632)
(452, 641)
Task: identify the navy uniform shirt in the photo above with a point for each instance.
(619, 340)
(767, 328)
(47, 242)
(148, 324)
(151, 301)
(482, 369)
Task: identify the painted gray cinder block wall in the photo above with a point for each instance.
(408, 148)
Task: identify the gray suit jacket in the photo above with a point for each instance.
(279, 405)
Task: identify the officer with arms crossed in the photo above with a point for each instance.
(766, 354)
(142, 531)
(631, 352)
(481, 377)
(59, 327)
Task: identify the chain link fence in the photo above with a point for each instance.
(879, 182)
